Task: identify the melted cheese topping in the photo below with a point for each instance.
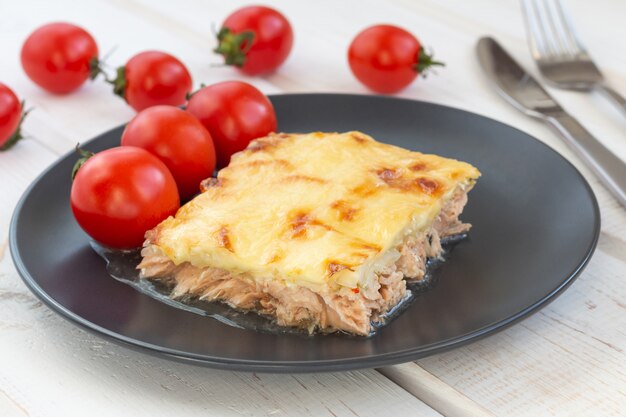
(314, 209)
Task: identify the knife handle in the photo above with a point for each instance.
(610, 169)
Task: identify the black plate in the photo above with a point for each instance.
(536, 223)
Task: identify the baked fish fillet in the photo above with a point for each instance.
(318, 231)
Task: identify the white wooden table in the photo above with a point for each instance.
(567, 360)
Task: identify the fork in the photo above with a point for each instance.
(562, 59)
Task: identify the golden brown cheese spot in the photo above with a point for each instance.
(265, 162)
(419, 166)
(294, 178)
(259, 145)
(368, 246)
(389, 175)
(275, 257)
(301, 222)
(334, 266)
(269, 142)
(362, 257)
(210, 182)
(319, 135)
(223, 239)
(359, 138)
(365, 190)
(456, 175)
(318, 223)
(266, 143)
(345, 211)
(299, 225)
(395, 179)
(428, 186)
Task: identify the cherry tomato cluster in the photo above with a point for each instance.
(165, 153)
(60, 57)
(178, 138)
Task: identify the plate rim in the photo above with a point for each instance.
(304, 366)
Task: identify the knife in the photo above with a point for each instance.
(521, 90)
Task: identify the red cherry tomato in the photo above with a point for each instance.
(119, 194)
(235, 113)
(10, 117)
(387, 58)
(152, 78)
(58, 57)
(256, 39)
(179, 140)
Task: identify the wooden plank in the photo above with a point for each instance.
(11, 408)
(433, 391)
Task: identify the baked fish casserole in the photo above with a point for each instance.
(318, 231)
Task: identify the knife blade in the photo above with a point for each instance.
(521, 90)
(512, 82)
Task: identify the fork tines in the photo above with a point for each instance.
(551, 32)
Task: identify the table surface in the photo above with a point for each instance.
(568, 359)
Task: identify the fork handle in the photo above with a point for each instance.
(614, 95)
(610, 169)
